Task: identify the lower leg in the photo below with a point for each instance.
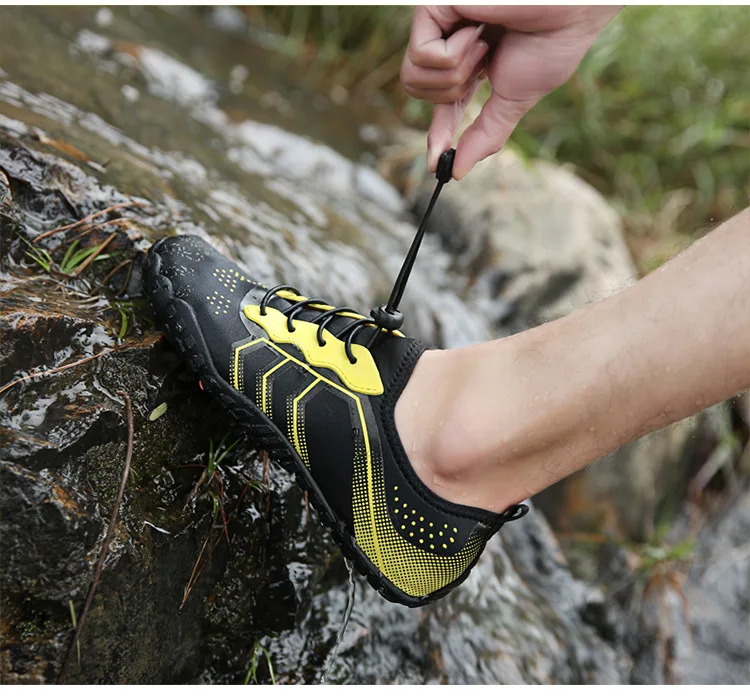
(491, 424)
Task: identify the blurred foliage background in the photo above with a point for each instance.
(657, 117)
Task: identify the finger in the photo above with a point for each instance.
(446, 118)
(443, 53)
(452, 94)
(522, 70)
(416, 77)
(489, 133)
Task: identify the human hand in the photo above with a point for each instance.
(524, 51)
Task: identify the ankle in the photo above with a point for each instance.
(438, 437)
(492, 424)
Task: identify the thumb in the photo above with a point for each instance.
(446, 119)
(524, 68)
(489, 133)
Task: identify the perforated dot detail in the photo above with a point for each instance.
(411, 562)
(424, 524)
(229, 278)
(219, 302)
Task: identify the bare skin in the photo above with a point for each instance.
(492, 424)
(524, 51)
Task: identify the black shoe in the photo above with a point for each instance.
(316, 386)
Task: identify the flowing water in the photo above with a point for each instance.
(344, 624)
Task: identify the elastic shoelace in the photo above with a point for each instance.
(386, 316)
(322, 320)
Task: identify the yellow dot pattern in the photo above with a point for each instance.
(402, 512)
(409, 563)
(219, 303)
(229, 278)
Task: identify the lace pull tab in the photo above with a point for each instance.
(444, 171)
(387, 316)
(515, 512)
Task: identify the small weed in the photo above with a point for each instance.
(74, 261)
(130, 311)
(125, 308)
(653, 557)
(74, 620)
(217, 453)
(211, 485)
(41, 257)
(252, 673)
(73, 258)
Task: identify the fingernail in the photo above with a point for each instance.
(432, 158)
(478, 31)
(481, 47)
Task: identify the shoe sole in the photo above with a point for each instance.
(182, 330)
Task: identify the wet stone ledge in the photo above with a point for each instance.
(176, 601)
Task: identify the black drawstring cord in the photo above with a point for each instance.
(387, 316)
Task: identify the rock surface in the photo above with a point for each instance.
(532, 242)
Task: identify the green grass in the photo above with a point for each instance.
(41, 257)
(252, 673)
(74, 621)
(216, 453)
(74, 258)
(126, 309)
(658, 114)
(353, 46)
(72, 261)
(657, 117)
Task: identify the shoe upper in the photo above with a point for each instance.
(337, 414)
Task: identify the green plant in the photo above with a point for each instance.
(41, 257)
(348, 45)
(655, 556)
(74, 620)
(211, 484)
(125, 308)
(252, 673)
(74, 258)
(216, 453)
(131, 312)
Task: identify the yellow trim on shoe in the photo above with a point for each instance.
(362, 376)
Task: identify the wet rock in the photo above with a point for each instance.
(718, 598)
(516, 620)
(534, 241)
(696, 632)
